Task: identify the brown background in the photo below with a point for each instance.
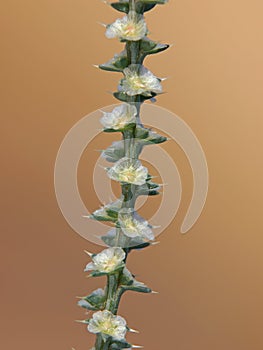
(210, 281)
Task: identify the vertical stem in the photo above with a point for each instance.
(113, 291)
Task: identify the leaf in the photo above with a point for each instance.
(141, 6)
(121, 6)
(147, 136)
(126, 278)
(149, 47)
(130, 242)
(121, 96)
(109, 212)
(114, 152)
(141, 132)
(148, 189)
(137, 287)
(95, 301)
(120, 344)
(154, 138)
(156, 2)
(117, 63)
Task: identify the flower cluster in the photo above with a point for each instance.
(120, 117)
(139, 80)
(107, 261)
(133, 225)
(106, 323)
(131, 27)
(128, 170)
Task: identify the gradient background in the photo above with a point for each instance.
(210, 280)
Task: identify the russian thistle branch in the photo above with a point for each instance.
(131, 231)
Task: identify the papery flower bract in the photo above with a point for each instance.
(106, 323)
(128, 170)
(120, 117)
(131, 27)
(139, 80)
(132, 225)
(107, 261)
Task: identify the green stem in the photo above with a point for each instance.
(114, 292)
(112, 286)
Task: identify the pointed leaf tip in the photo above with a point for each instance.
(89, 254)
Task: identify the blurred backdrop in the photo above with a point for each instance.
(210, 280)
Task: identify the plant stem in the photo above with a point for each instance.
(114, 292)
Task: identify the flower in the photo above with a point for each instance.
(131, 27)
(132, 225)
(107, 261)
(120, 117)
(106, 323)
(128, 170)
(139, 80)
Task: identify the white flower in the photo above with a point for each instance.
(128, 170)
(120, 117)
(106, 323)
(107, 261)
(139, 80)
(131, 27)
(132, 225)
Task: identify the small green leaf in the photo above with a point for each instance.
(141, 6)
(148, 189)
(141, 132)
(126, 278)
(141, 246)
(114, 152)
(109, 212)
(149, 47)
(147, 7)
(121, 6)
(153, 138)
(130, 242)
(121, 96)
(137, 287)
(127, 127)
(98, 274)
(95, 301)
(120, 344)
(156, 2)
(117, 63)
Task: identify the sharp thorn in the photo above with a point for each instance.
(102, 24)
(133, 330)
(87, 216)
(90, 254)
(81, 321)
(155, 243)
